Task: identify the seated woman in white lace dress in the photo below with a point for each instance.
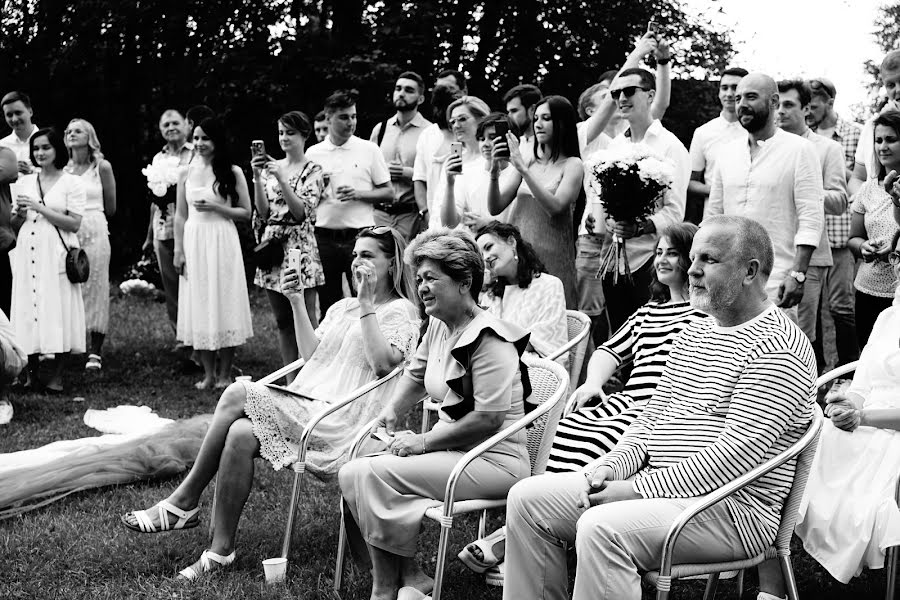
(849, 514)
(359, 340)
(520, 290)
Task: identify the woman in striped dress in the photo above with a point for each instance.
(643, 342)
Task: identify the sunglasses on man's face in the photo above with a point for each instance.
(628, 91)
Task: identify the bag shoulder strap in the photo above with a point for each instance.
(382, 130)
(41, 194)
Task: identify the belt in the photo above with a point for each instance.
(341, 235)
(397, 209)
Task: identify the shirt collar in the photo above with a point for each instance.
(185, 147)
(327, 144)
(654, 130)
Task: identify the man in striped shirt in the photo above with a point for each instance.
(738, 389)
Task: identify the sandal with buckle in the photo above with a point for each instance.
(205, 565)
(187, 519)
(486, 545)
(94, 362)
(496, 575)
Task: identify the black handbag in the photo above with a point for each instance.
(78, 268)
(269, 253)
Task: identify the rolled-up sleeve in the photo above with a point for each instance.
(808, 197)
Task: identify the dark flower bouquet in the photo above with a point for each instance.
(630, 181)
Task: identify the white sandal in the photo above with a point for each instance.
(206, 559)
(94, 362)
(187, 519)
(486, 545)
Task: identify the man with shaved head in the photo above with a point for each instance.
(737, 389)
(774, 178)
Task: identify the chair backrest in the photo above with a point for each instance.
(791, 510)
(549, 383)
(578, 329)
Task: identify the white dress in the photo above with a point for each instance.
(47, 309)
(849, 517)
(213, 305)
(337, 367)
(93, 235)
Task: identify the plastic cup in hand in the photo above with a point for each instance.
(276, 570)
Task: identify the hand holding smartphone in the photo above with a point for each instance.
(257, 148)
(456, 149)
(500, 131)
(652, 27)
(294, 257)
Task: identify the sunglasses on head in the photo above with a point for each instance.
(380, 230)
(628, 91)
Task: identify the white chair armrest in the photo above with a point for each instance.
(285, 370)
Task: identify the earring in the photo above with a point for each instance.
(515, 256)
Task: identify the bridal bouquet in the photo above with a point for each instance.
(631, 181)
(162, 175)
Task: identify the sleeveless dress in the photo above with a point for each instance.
(848, 515)
(553, 237)
(47, 309)
(308, 184)
(337, 367)
(93, 235)
(213, 306)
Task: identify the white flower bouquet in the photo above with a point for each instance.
(162, 175)
(138, 287)
(631, 181)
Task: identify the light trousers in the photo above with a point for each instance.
(615, 542)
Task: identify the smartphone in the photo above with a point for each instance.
(294, 256)
(258, 148)
(651, 26)
(501, 128)
(457, 149)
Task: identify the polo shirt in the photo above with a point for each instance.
(708, 139)
(358, 163)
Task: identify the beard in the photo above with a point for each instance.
(402, 105)
(758, 120)
(714, 298)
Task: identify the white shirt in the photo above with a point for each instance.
(432, 148)
(781, 188)
(358, 163)
(834, 183)
(592, 201)
(708, 140)
(664, 143)
(22, 149)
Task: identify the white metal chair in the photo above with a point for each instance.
(890, 561)
(578, 328)
(549, 382)
(299, 466)
(804, 450)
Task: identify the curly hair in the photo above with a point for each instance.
(454, 250)
(529, 266)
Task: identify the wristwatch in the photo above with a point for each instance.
(800, 276)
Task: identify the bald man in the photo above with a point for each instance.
(774, 178)
(702, 428)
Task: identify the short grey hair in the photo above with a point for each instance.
(751, 240)
(454, 250)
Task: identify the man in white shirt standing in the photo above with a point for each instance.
(774, 178)
(707, 140)
(866, 161)
(358, 177)
(633, 91)
(793, 105)
(18, 112)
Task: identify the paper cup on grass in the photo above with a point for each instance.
(276, 569)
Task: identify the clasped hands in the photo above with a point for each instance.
(842, 411)
(600, 488)
(399, 443)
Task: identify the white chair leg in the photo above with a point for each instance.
(787, 572)
(441, 562)
(740, 583)
(891, 565)
(482, 524)
(711, 584)
(341, 551)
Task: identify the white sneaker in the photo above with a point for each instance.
(6, 412)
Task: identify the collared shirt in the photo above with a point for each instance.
(837, 227)
(708, 139)
(22, 149)
(780, 188)
(671, 210)
(432, 148)
(358, 163)
(399, 145)
(834, 184)
(164, 225)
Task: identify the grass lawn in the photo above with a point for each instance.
(77, 549)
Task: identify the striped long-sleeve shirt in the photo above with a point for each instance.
(729, 399)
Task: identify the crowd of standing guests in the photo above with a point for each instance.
(493, 217)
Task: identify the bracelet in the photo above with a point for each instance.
(663, 61)
(424, 448)
(366, 315)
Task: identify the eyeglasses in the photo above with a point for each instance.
(894, 257)
(628, 91)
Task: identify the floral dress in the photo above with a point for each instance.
(309, 186)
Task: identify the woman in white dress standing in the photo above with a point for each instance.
(86, 161)
(213, 305)
(47, 309)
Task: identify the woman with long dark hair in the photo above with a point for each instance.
(213, 306)
(545, 189)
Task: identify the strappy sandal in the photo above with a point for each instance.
(496, 575)
(187, 519)
(94, 362)
(486, 545)
(193, 572)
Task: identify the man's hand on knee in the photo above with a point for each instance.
(614, 491)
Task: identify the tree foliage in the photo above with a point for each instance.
(120, 63)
